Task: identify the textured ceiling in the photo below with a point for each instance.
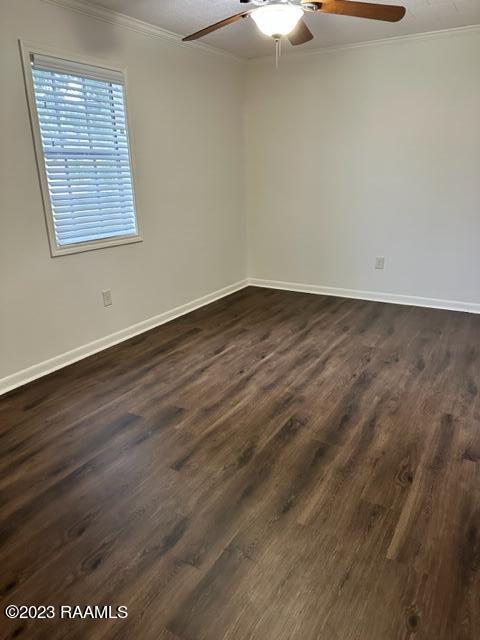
(243, 38)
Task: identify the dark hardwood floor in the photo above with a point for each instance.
(276, 466)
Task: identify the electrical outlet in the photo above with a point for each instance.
(379, 262)
(107, 298)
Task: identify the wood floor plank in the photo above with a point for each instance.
(275, 465)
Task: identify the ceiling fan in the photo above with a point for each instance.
(278, 18)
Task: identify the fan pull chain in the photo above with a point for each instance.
(278, 51)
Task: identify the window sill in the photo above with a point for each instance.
(93, 245)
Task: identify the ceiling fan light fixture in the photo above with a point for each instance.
(276, 20)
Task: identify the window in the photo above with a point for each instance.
(81, 134)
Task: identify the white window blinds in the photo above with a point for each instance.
(83, 129)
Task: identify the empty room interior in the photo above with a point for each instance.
(239, 320)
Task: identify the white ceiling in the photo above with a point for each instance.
(243, 39)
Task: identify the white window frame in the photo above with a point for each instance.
(28, 49)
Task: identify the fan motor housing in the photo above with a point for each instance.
(305, 4)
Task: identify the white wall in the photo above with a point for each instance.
(186, 115)
(364, 152)
(344, 156)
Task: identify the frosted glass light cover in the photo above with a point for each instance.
(277, 19)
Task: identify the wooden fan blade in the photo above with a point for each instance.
(300, 34)
(217, 25)
(385, 12)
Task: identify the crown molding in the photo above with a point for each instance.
(133, 24)
(97, 12)
(426, 35)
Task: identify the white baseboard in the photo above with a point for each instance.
(376, 296)
(58, 362)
